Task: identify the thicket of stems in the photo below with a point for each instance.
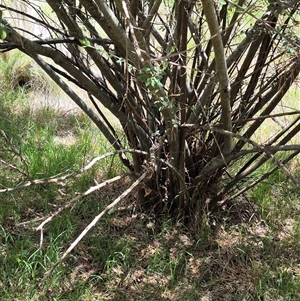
(190, 82)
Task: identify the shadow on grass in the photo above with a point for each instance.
(131, 256)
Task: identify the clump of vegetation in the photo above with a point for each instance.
(21, 72)
(193, 86)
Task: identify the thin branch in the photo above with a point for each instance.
(35, 51)
(70, 40)
(94, 221)
(151, 14)
(221, 68)
(254, 183)
(29, 16)
(262, 21)
(56, 179)
(18, 154)
(219, 161)
(14, 168)
(264, 117)
(73, 201)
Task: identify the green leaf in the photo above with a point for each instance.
(142, 77)
(174, 110)
(222, 2)
(166, 103)
(175, 123)
(240, 10)
(3, 33)
(171, 49)
(120, 60)
(148, 82)
(131, 68)
(85, 42)
(146, 70)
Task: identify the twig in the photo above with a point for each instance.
(55, 179)
(263, 117)
(99, 41)
(14, 168)
(74, 200)
(131, 29)
(37, 219)
(94, 221)
(217, 162)
(17, 153)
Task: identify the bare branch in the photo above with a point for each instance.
(95, 220)
(221, 68)
(221, 161)
(56, 179)
(75, 200)
(71, 40)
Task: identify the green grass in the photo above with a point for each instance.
(18, 71)
(32, 145)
